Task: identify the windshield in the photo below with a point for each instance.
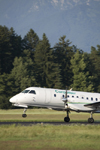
(32, 92)
(25, 91)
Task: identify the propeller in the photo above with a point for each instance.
(66, 93)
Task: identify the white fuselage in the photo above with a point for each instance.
(52, 98)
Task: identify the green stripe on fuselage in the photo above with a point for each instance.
(77, 103)
(63, 92)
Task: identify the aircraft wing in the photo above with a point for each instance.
(96, 104)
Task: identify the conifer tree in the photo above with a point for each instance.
(82, 81)
(10, 47)
(6, 90)
(30, 41)
(47, 72)
(63, 53)
(95, 66)
(23, 72)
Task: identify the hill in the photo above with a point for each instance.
(77, 19)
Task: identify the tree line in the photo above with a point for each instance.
(31, 61)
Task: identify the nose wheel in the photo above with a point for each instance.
(67, 119)
(24, 113)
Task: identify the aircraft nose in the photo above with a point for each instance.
(12, 100)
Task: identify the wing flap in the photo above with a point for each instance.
(96, 104)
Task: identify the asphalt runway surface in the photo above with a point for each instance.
(48, 123)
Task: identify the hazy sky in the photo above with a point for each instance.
(79, 20)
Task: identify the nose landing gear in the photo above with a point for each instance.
(24, 113)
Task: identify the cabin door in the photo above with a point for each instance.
(47, 96)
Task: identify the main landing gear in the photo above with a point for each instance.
(91, 120)
(67, 119)
(24, 113)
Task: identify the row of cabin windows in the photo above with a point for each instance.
(78, 97)
(33, 92)
(83, 97)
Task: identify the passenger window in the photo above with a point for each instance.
(72, 96)
(54, 95)
(63, 96)
(87, 98)
(96, 99)
(67, 95)
(91, 98)
(82, 97)
(32, 92)
(77, 97)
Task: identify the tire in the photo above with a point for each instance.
(90, 120)
(24, 115)
(66, 119)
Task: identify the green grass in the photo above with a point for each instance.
(43, 115)
(50, 137)
(47, 137)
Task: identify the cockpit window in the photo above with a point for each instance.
(25, 91)
(32, 91)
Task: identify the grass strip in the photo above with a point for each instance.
(50, 137)
(43, 115)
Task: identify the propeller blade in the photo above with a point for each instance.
(66, 93)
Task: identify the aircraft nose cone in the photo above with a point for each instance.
(12, 100)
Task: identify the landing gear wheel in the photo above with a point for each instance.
(66, 119)
(24, 115)
(90, 120)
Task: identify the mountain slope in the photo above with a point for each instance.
(77, 19)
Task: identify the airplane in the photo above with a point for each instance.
(58, 99)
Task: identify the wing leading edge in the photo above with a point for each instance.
(96, 104)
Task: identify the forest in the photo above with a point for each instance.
(31, 61)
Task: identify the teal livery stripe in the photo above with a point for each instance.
(63, 92)
(71, 93)
(77, 103)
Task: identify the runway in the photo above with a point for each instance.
(48, 123)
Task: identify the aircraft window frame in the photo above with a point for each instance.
(32, 92)
(25, 91)
(77, 96)
(87, 98)
(96, 99)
